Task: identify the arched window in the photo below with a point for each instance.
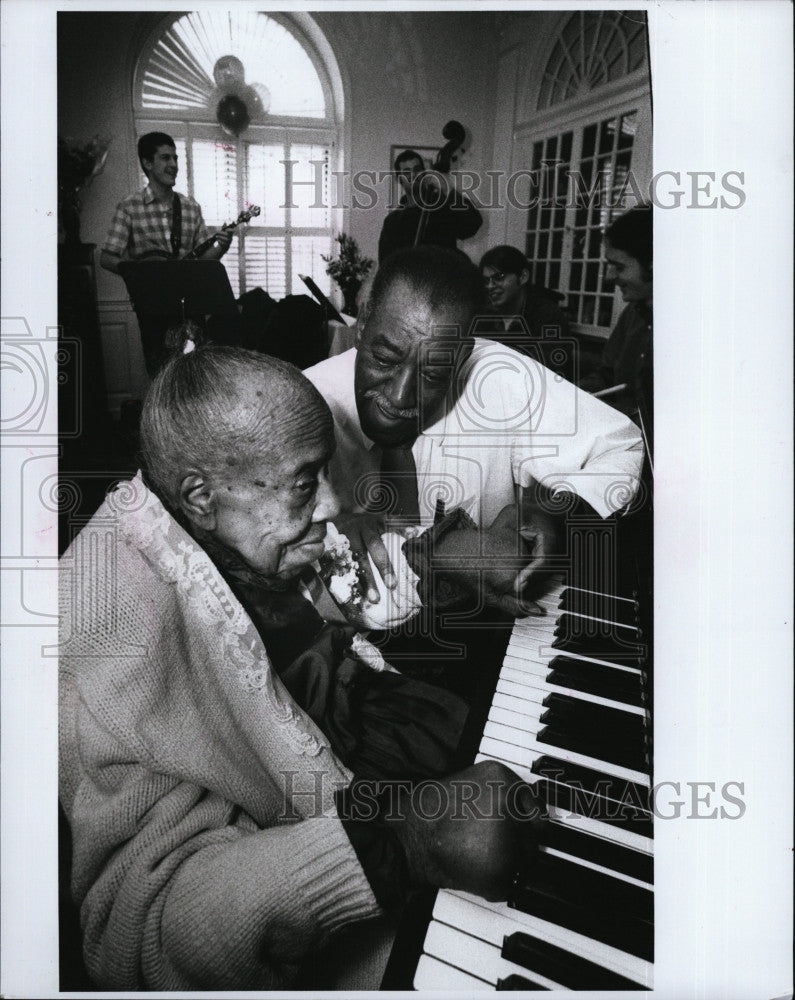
(580, 146)
(256, 120)
(593, 48)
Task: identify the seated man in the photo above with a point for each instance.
(433, 416)
(208, 711)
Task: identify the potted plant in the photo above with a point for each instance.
(349, 268)
(78, 164)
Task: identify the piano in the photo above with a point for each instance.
(571, 712)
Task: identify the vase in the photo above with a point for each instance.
(349, 292)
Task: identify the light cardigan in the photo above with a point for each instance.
(194, 869)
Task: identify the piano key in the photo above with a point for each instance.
(503, 740)
(584, 885)
(600, 628)
(606, 650)
(571, 971)
(533, 687)
(612, 753)
(609, 925)
(495, 921)
(592, 714)
(516, 982)
(620, 687)
(599, 606)
(473, 955)
(581, 782)
(432, 974)
(609, 855)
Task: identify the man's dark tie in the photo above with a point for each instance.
(399, 478)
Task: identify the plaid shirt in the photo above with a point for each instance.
(143, 223)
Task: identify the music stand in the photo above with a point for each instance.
(331, 312)
(188, 288)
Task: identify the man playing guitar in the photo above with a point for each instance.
(158, 221)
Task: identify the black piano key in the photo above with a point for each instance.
(597, 890)
(593, 678)
(625, 656)
(584, 902)
(561, 966)
(587, 792)
(612, 722)
(593, 605)
(632, 757)
(517, 982)
(601, 852)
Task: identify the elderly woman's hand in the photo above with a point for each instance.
(364, 532)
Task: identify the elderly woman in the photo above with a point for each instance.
(214, 726)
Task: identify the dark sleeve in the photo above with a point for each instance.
(362, 807)
(604, 374)
(390, 238)
(465, 218)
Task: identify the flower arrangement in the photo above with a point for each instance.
(341, 573)
(348, 269)
(78, 164)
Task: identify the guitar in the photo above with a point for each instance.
(250, 213)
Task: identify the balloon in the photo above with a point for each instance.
(228, 69)
(232, 115)
(261, 100)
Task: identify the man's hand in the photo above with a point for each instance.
(473, 831)
(503, 563)
(364, 533)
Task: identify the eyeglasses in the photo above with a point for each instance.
(496, 277)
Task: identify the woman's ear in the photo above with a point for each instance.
(524, 276)
(197, 501)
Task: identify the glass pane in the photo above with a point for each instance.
(588, 141)
(595, 244)
(537, 150)
(578, 244)
(575, 276)
(307, 260)
(553, 275)
(573, 306)
(266, 264)
(557, 244)
(565, 146)
(607, 131)
(551, 152)
(230, 260)
(309, 187)
(629, 124)
(543, 242)
(592, 277)
(559, 215)
(581, 216)
(546, 218)
(588, 304)
(214, 167)
(605, 310)
(265, 183)
(529, 246)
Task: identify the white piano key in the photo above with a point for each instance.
(507, 718)
(497, 740)
(523, 691)
(432, 974)
(494, 921)
(475, 956)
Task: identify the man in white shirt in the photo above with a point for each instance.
(488, 429)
